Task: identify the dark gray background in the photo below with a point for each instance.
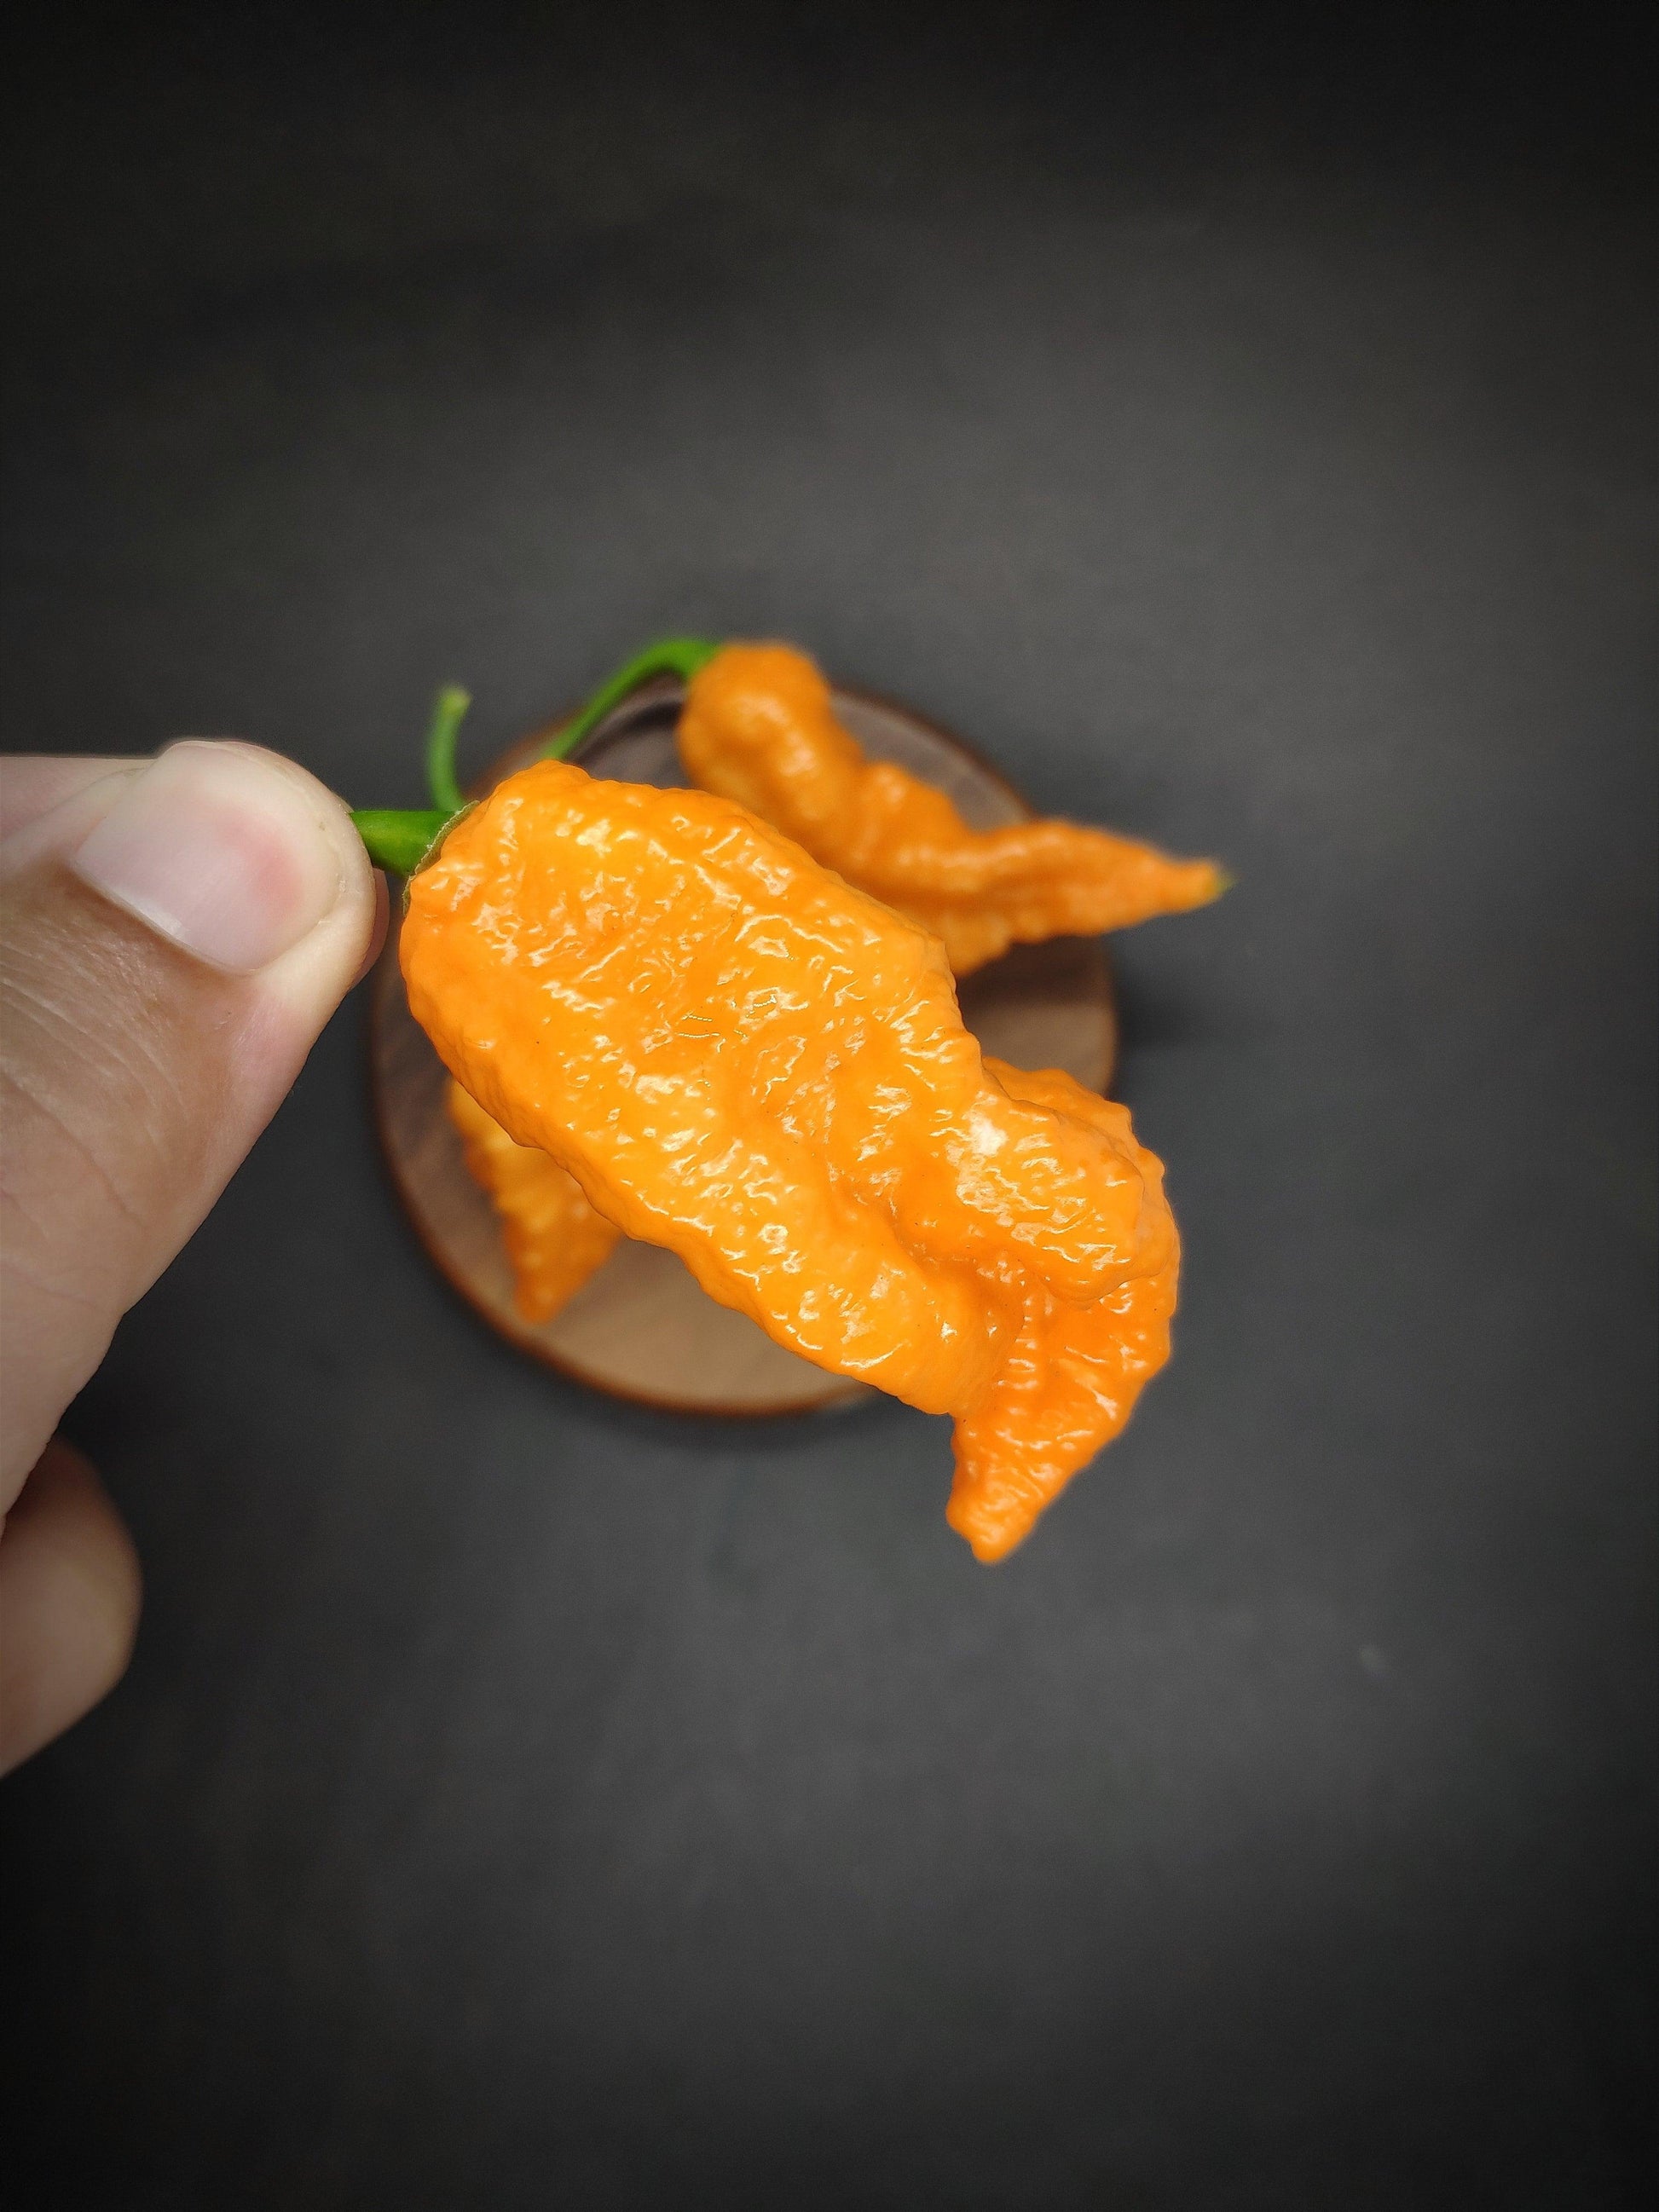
(517, 1801)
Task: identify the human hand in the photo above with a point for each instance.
(173, 934)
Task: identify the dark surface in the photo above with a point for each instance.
(517, 1801)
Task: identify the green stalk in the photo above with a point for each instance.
(447, 710)
(402, 840)
(669, 656)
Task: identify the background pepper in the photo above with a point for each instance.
(759, 726)
(555, 1240)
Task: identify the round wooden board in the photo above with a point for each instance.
(641, 1329)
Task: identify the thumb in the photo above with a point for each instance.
(173, 937)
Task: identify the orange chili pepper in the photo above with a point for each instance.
(758, 726)
(740, 1057)
(554, 1238)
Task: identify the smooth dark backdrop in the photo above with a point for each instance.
(519, 1801)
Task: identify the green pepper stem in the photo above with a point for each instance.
(400, 838)
(447, 710)
(669, 656)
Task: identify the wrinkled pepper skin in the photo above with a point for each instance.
(554, 1238)
(758, 726)
(738, 1056)
(1072, 1380)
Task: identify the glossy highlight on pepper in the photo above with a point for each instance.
(738, 1055)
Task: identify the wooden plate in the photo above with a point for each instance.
(641, 1329)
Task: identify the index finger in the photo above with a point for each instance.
(32, 784)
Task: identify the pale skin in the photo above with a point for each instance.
(174, 935)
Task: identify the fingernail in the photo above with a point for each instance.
(219, 851)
